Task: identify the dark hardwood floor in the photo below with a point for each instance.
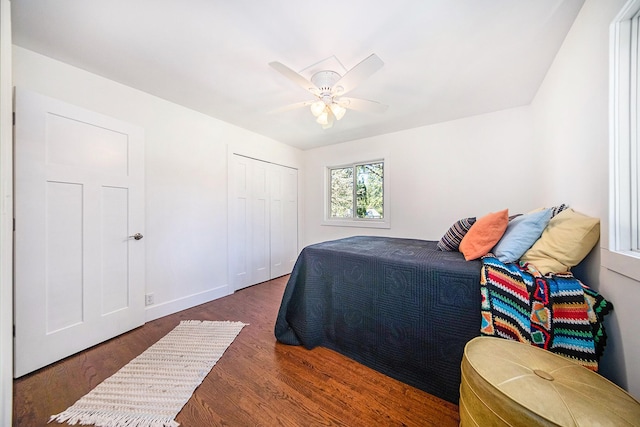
(257, 382)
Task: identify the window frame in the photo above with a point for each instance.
(354, 221)
(623, 254)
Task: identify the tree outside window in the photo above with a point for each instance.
(357, 191)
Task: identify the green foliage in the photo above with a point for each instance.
(342, 193)
(369, 196)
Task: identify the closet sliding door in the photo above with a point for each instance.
(263, 221)
(284, 219)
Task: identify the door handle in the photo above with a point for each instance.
(137, 236)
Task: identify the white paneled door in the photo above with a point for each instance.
(259, 215)
(79, 203)
(284, 220)
(263, 220)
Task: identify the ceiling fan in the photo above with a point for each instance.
(328, 87)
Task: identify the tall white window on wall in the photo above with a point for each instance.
(356, 195)
(624, 229)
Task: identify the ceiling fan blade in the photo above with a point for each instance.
(294, 77)
(362, 105)
(361, 71)
(292, 106)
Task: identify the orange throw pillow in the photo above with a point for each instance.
(484, 234)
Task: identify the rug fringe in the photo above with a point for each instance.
(109, 420)
(210, 322)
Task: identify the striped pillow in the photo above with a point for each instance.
(452, 238)
(557, 209)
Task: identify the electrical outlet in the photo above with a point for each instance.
(148, 299)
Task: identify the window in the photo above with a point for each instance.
(625, 129)
(356, 194)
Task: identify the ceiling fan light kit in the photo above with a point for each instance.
(328, 87)
(317, 108)
(337, 110)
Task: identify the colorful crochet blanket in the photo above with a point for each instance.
(556, 312)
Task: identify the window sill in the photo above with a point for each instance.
(356, 223)
(626, 263)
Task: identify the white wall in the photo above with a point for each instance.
(571, 112)
(438, 174)
(185, 177)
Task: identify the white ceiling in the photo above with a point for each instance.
(444, 59)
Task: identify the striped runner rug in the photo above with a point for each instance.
(152, 388)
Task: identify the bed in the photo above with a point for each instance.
(399, 306)
(407, 307)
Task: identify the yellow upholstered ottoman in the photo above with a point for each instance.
(507, 383)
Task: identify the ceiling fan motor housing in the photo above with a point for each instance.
(324, 80)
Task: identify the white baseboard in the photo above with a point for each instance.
(170, 307)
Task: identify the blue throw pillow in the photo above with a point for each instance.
(522, 232)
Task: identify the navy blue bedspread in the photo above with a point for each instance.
(399, 306)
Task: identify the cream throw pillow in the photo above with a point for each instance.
(568, 238)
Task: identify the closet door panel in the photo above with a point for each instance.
(239, 222)
(290, 220)
(278, 267)
(263, 221)
(260, 223)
